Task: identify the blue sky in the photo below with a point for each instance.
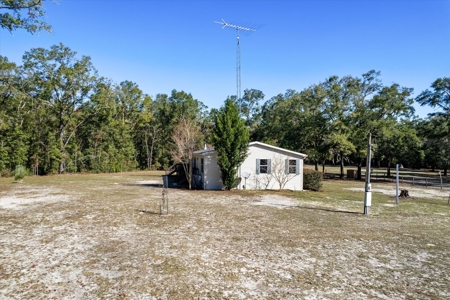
(174, 44)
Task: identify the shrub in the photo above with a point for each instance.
(20, 173)
(6, 173)
(312, 180)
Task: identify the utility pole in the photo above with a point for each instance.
(368, 194)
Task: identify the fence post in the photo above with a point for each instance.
(413, 180)
(426, 182)
(440, 176)
(396, 184)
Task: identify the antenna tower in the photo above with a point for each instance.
(245, 29)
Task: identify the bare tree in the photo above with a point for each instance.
(282, 170)
(186, 137)
(264, 180)
(151, 135)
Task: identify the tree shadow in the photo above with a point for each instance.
(149, 212)
(331, 210)
(156, 185)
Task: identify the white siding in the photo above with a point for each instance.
(278, 156)
(212, 173)
(268, 181)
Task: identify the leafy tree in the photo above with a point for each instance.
(23, 14)
(331, 120)
(436, 131)
(439, 97)
(310, 109)
(249, 107)
(435, 134)
(65, 85)
(14, 115)
(377, 114)
(167, 111)
(400, 144)
(297, 121)
(341, 94)
(271, 129)
(230, 138)
(95, 138)
(147, 133)
(129, 99)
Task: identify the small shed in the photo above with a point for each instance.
(206, 171)
(266, 167)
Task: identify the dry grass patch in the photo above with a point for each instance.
(101, 237)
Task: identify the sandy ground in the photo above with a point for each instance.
(414, 192)
(108, 241)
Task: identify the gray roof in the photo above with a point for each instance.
(204, 151)
(277, 149)
(261, 145)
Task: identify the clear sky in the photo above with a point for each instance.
(175, 44)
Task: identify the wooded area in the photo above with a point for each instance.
(58, 115)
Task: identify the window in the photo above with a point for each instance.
(201, 165)
(292, 166)
(263, 166)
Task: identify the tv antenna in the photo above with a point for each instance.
(245, 29)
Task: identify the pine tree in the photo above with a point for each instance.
(230, 138)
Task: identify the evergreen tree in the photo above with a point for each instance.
(230, 138)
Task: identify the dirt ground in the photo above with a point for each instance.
(101, 237)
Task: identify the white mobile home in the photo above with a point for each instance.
(266, 167)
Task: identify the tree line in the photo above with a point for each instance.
(58, 115)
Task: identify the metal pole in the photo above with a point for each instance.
(440, 175)
(368, 194)
(238, 71)
(238, 87)
(396, 185)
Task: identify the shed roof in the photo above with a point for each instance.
(204, 151)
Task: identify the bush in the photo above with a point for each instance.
(6, 173)
(20, 173)
(312, 180)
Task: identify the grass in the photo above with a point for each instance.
(101, 237)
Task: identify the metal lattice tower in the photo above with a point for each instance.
(243, 29)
